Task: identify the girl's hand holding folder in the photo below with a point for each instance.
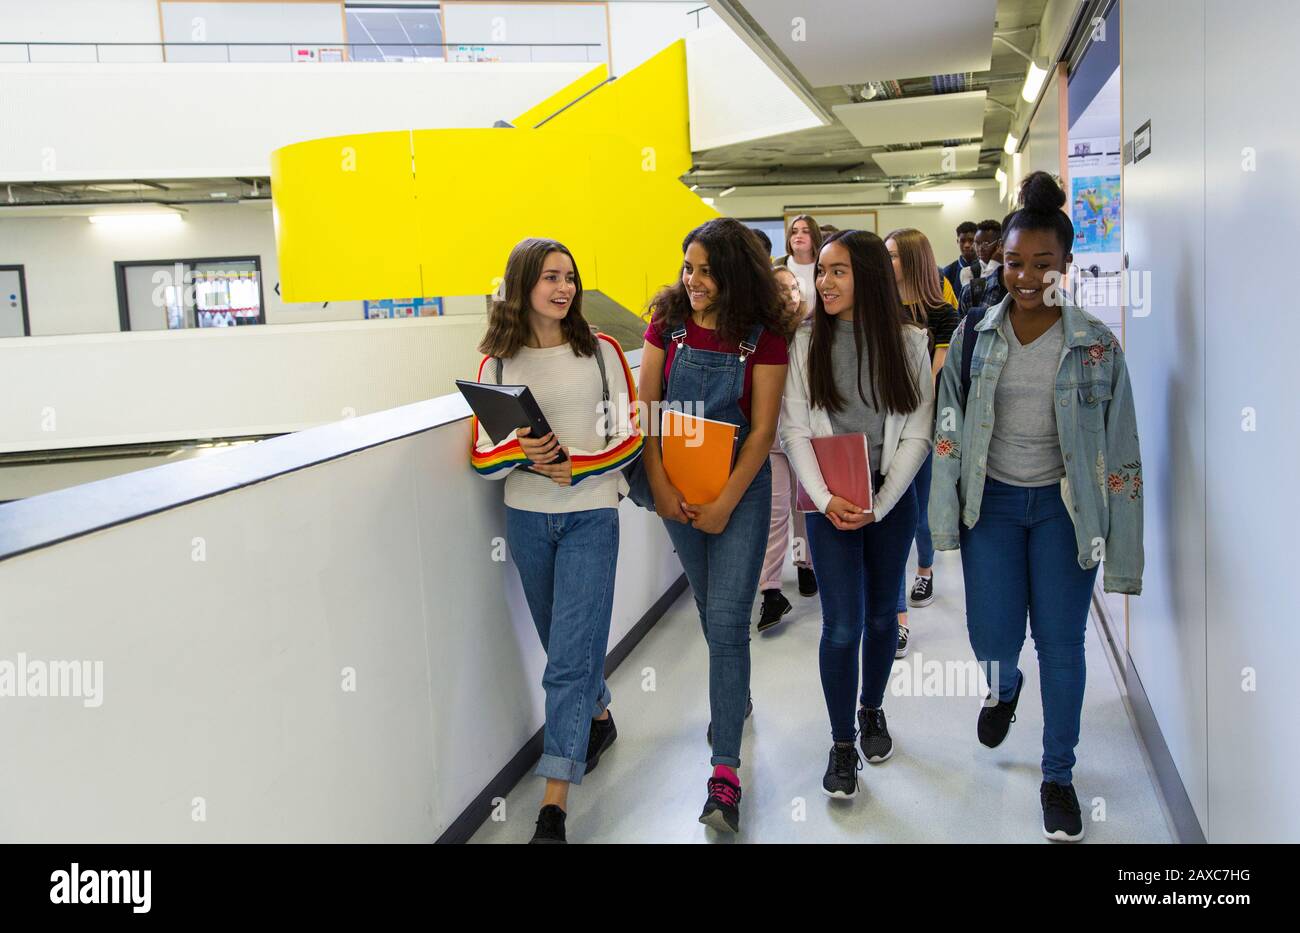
(560, 473)
(539, 450)
(669, 502)
(846, 516)
(711, 517)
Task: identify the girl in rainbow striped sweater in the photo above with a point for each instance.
(561, 516)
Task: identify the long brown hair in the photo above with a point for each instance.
(877, 326)
(815, 230)
(920, 273)
(507, 328)
(747, 290)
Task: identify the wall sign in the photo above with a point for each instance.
(1142, 142)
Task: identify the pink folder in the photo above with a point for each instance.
(846, 470)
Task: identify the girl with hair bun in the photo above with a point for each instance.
(1038, 478)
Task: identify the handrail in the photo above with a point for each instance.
(51, 518)
(290, 45)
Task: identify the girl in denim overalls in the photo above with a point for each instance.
(714, 348)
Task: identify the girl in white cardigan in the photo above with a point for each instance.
(859, 369)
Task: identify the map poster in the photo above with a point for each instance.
(1095, 211)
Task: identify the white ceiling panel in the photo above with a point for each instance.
(915, 119)
(852, 41)
(929, 161)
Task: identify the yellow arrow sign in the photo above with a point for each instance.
(435, 212)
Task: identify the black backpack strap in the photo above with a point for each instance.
(973, 317)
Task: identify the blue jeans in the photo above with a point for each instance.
(858, 574)
(566, 563)
(1021, 558)
(723, 571)
(924, 543)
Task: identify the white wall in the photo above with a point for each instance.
(80, 20)
(71, 287)
(1213, 638)
(82, 122)
(222, 678)
(734, 95)
(130, 388)
(639, 30)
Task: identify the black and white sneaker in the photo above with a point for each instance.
(550, 827)
(901, 650)
(603, 734)
(1062, 821)
(995, 721)
(722, 809)
(749, 708)
(807, 582)
(841, 778)
(922, 591)
(873, 735)
(775, 606)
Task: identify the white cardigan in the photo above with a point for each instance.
(907, 437)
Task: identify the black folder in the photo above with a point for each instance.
(502, 409)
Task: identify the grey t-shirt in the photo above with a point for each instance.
(857, 416)
(1025, 449)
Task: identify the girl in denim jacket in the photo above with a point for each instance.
(1038, 476)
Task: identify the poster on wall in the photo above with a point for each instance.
(401, 307)
(1095, 206)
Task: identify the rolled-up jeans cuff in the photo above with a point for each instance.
(561, 769)
(603, 702)
(732, 763)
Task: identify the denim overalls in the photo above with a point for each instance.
(723, 569)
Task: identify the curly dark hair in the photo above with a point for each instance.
(747, 289)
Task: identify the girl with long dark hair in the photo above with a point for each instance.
(860, 369)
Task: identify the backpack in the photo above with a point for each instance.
(973, 317)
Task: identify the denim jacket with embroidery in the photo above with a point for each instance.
(1097, 426)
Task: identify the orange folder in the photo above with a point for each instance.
(846, 470)
(698, 454)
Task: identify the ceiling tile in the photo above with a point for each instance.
(915, 119)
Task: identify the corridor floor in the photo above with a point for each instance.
(941, 785)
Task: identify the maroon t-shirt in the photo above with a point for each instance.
(772, 351)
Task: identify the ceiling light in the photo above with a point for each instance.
(136, 222)
(695, 187)
(218, 194)
(940, 196)
(1034, 81)
(1001, 176)
(708, 201)
(1013, 143)
(726, 191)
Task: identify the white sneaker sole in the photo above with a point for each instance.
(1062, 836)
(920, 604)
(880, 758)
(839, 794)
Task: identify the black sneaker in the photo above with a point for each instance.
(807, 582)
(1062, 821)
(901, 650)
(775, 606)
(603, 734)
(922, 591)
(550, 827)
(995, 721)
(873, 735)
(841, 778)
(749, 708)
(722, 809)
